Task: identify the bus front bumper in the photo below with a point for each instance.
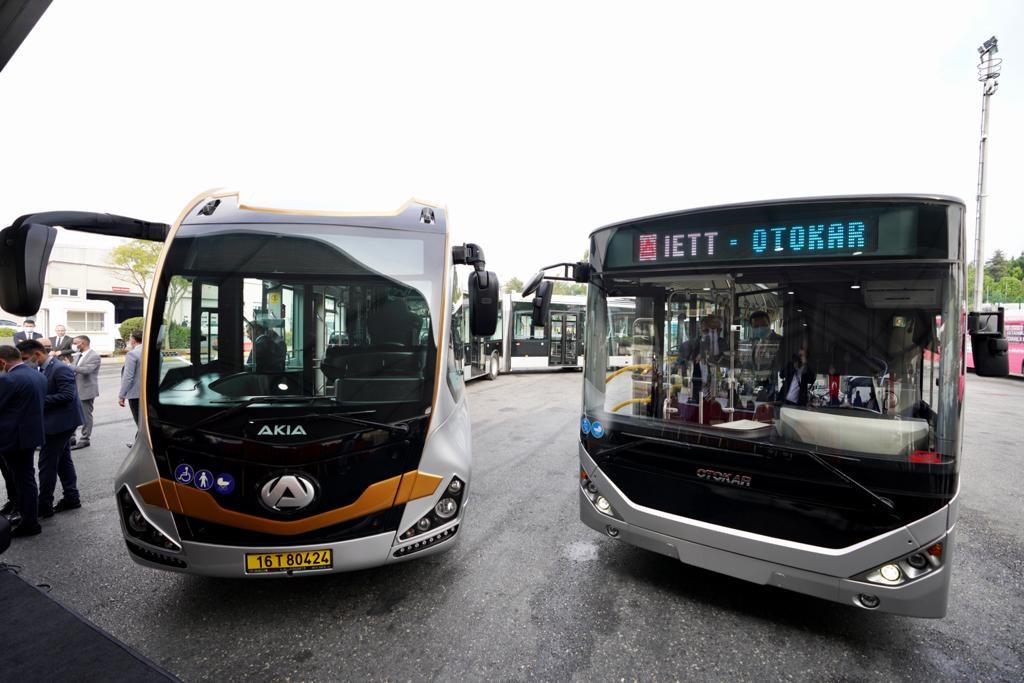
(230, 561)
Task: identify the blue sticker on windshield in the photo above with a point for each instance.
(597, 429)
(183, 473)
(224, 484)
(585, 425)
(204, 480)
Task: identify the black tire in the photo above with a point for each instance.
(492, 366)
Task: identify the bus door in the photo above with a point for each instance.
(563, 335)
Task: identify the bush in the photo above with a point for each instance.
(130, 325)
(177, 337)
(6, 332)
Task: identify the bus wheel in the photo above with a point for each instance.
(492, 366)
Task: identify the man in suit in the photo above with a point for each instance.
(62, 413)
(131, 376)
(702, 352)
(28, 331)
(797, 378)
(87, 375)
(22, 391)
(60, 343)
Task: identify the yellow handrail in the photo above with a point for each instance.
(646, 367)
(644, 401)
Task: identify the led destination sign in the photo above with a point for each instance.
(834, 237)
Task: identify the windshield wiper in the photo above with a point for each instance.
(240, 407)
(887, 504)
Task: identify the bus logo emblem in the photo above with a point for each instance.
(287, 493)
(281, 430)
(724, 477)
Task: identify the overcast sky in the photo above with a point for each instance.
(534, 124)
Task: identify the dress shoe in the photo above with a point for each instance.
(45, 512)
(80, 444)
(25, 530)
(64, 505)
(8, 508)
(13, 518)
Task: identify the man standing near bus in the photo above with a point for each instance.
(131, 377)
(22, 390)
(62, 413)
(28, 331)
(87, 371)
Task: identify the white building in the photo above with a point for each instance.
(84, 292)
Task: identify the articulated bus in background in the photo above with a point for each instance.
(558, 344)
(792, 411)
(517, 344)
(320, 423)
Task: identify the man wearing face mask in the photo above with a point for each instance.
(28, 331)
(22, 392)
(62, 413)
(764, 354)
(87, 372)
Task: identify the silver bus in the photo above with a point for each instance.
(311, 416)
(791, 411)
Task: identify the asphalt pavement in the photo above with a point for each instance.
(529, 593)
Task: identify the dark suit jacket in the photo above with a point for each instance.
(806, 381)
(22, 391)
(64, 348)
(23, 336)
(62, 409)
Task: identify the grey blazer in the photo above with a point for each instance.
(131, 375)
(87, 371)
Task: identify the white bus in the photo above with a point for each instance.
(320, 423)
(728, 442)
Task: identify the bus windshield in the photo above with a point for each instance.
(838, 361)
(300, 311)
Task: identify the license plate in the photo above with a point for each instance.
(297, 561)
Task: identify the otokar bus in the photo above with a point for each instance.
(792, 410)
(313, 418)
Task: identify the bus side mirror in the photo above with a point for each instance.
(24, 254)
(988, 345)
(483, 303)
(542, 303)
(533, 283)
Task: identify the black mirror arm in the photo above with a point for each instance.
(470, 254)
(99, 223)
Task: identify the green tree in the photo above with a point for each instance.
(1008, 290)
(513, 285)
(570, 288)
(137, 261)
(997, 267)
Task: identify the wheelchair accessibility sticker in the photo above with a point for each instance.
(585, 425)
(183, 473)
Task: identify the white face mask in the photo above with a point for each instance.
(74, 347)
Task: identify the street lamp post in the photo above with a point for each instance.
(988, 72)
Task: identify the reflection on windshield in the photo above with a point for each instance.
(837, 362)
(266, 314)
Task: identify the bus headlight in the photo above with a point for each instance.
(446, 508)
(592, 493)
(443, 511)
(907, 568)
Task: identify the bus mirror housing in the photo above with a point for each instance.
(533, 283)
(483, 303)
(988, 344)
(24, 255)
(542, 303)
